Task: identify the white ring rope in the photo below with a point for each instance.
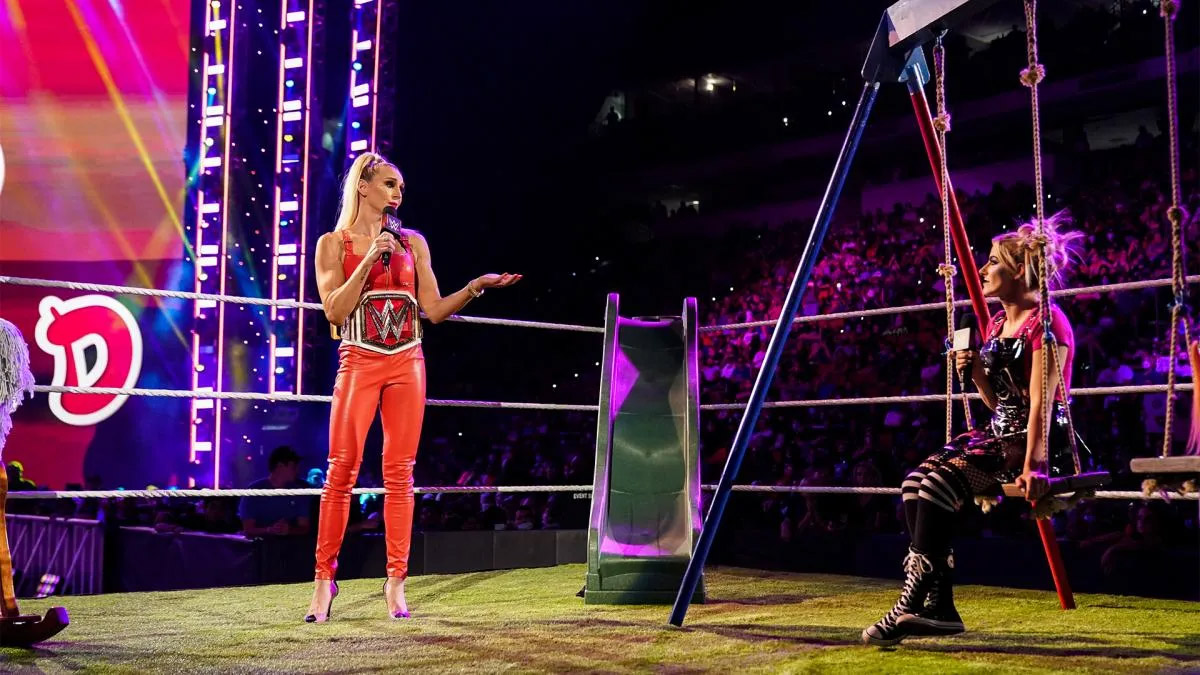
(510, 405)
(286, 492)
(940, 398)
(489, 489)
(883, 311)
(930, 306)
(298, 398)
(282, 397)
(157, 293)
(294, 304)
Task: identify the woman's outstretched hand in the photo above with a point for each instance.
(496, 280)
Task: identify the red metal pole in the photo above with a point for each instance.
(1058, 571)
(966, 260)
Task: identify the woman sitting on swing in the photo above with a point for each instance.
(1008, 375)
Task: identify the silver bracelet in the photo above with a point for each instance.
(474, 293)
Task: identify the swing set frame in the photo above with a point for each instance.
(897, 55)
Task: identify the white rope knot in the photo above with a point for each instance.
(1176, 215)
(942, 122)
(1032, 75)
(1149, 487)
(1152, 487)
(986, 503)
(1168, 9)
(947, 270)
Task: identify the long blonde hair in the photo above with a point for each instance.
(363, 168)
(1023, 247)
(16, 381)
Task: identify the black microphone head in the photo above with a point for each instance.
(966, 319)
(391, 223)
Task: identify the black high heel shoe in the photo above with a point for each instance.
(400, 613)
(322, 618)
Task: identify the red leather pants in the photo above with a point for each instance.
(366, 381)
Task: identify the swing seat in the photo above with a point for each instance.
(1166, 465)
(29, 629)
(1168, 474)
(1066, 484)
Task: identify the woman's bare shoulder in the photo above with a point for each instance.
(329, 244)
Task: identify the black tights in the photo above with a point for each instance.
(934, 493)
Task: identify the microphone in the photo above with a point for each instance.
(964, 336)
(392, 228)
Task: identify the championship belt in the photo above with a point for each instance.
(386, 322)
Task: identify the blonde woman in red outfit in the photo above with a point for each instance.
(381, 366)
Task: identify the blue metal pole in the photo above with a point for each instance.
(762, 383)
